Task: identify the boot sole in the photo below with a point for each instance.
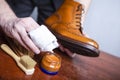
(77, 46)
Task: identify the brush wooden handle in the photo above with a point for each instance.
(10, 52)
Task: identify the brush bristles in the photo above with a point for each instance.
(27, 62)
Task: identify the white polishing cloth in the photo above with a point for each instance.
(43, 38)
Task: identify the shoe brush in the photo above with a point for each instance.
(24, 62)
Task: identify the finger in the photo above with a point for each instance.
(61, 48)
(17, 37)
(67, 51)
(24, 36)
(29, 26)
(72, 55)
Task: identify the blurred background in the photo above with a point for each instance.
(102, 24)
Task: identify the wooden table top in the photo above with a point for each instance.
(104, 67)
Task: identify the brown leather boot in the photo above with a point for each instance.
(65, 23)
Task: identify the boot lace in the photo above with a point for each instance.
(79, 12)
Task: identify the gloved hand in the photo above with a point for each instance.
(18, 29)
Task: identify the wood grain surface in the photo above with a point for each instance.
(104, 67)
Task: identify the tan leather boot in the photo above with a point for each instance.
(65, 24)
